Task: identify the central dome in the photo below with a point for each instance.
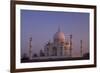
(59, 37)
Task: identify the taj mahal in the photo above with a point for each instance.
(59, 48)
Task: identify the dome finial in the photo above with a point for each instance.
(59, 28)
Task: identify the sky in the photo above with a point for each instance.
(42, 25)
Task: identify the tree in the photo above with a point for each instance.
(35, 55)
(86, 55)
(41, 53)
(25, 57)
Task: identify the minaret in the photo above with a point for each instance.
(59, 29)
(30, 48)
(81, 47)
(70, 45)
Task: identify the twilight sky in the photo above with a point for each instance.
(42, 25)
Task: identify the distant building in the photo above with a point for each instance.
(59, 47)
